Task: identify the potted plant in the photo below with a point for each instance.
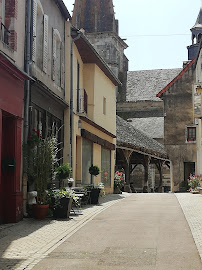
(94, 170)
(194, 182)
(59, 201)
(43, 159)
(118, 182)
(63, 172)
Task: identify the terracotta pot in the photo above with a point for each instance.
(40, 210)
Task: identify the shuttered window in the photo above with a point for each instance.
(34, 30)
(54, 54)
(45, 44)
(62, 66)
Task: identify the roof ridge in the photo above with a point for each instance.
(176, 78)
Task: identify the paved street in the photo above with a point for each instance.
(145, 231)
(142, 231)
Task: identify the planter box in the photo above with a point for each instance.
(94, 195)
(62, 211)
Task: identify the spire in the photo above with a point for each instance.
(94, 16)
(196, 31)
(198, 23)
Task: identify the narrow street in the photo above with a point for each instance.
(143, 231)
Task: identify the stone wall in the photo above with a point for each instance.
(178, 108)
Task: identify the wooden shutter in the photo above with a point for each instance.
(45, 44)
(62, 66)
(54, 55)
(34, 30)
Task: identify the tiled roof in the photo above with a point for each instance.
(145, 84)
(128, 136)
(151, 126)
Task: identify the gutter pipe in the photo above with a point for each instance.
(72, 96)
(26, 98)
(27, 70)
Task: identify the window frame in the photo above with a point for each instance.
(191, 134)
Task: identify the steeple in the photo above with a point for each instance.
(196, 36)
(95, 16)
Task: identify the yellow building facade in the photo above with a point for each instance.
(90, 121)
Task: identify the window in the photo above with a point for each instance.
(106, 167)
(40, 36)
(7, 15)
(58, 59)
(191, 134)
(48, 125)
(87, 157)
(104, 105)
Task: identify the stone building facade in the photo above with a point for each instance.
(179, 126)
(47, 93)
(97, 19)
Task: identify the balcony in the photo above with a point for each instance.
(82, 101)
(5, 33)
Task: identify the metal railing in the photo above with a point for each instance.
(5, 33)
(82, 101)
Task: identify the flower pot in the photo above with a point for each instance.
(40, 211)
(94, 195)
(62, 210)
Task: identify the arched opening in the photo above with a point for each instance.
(193, 39)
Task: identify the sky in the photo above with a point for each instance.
(157, 32)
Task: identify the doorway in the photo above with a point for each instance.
(189, 168)
(8, 168)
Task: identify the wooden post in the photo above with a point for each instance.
(159, 167)
(146, 173)
(127, 154)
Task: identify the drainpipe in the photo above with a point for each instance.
(27, 98)
(72, 96)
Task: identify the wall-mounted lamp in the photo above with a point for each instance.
(198, 89)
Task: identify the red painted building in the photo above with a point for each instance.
(11, 109)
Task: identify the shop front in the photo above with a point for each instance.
(11, 117)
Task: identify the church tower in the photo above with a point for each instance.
(97, 18)
(196, 37)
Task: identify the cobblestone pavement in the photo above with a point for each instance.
(191, 205)
(24, 244)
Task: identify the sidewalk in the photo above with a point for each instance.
(24, 244)
(191, 205)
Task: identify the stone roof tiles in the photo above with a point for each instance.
(153, 127)
(145, 84)
(129, 136)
